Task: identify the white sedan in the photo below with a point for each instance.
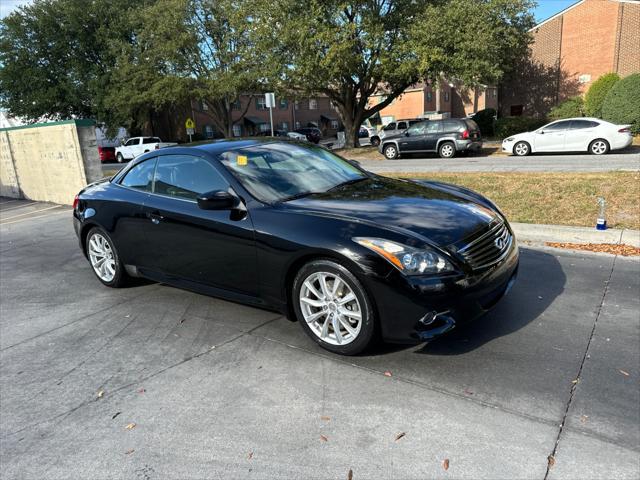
(571, 135)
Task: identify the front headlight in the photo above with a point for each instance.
(510, 139)
(409, 260)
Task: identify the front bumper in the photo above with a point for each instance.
(414, 310)
(507, 147)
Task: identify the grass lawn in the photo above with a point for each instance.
(555, 198)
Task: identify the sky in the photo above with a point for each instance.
(545, 8)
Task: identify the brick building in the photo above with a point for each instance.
(423, 100)
(288, 115)
(570, 51)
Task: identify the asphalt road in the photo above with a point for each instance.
(214, 389)
(626, 161)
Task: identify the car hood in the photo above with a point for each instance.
(437, 212)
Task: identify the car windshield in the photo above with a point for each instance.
(277, 172)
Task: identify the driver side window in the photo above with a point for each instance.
(554, 127)
(418, 129)
(186, 177)
(391, 126)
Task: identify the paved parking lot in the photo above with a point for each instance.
(153, 382)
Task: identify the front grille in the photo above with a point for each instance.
(489, 248)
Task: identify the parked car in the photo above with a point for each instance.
(296, 229)
(393, 128)
(107, 154)
(313, 134)
(571, 135)
(138, 145)
(297, 136)
(447, 137)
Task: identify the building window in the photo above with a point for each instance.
(208, 131)
(264, 127)
(494, 92)
(298, 125)
(285, 126)
(335, 124)
(446, 96)
(237, 130)
(296, 105)
(235, 105)
(313, 104)
(261, 103)
(203, 106)
(429, 96)
(284, 104)
(584, 78)
(516, 110)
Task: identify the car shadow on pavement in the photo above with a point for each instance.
(541, 280)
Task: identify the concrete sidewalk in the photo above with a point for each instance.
(531, 232)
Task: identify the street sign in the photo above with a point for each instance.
(189, 124)
(191, 131)
(270, 100)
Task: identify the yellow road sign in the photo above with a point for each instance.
(190, 124)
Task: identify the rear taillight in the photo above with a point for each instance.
(624, 130)
(464, 135)
(75, 202)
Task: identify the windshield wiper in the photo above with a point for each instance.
(348, 182)
(298, 195)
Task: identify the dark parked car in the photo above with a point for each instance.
(447, 137)
(107, 154)
(313, 134)
(294, 228)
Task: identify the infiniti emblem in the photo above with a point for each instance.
(500, 243)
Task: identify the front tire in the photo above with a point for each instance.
(375, 141)
(120, 158)
(521, 149)
(599, 147)
(104, 259)
(391, 151)
(447, 150)
(333, 308)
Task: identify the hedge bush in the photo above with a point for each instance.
(507, 126)
(572, 107)
(622, 103)
(597, 92)
(485, 120)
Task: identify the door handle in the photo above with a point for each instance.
(155, 217)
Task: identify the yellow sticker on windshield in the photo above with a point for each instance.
(242, 160)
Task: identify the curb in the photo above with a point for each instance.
(557, 233)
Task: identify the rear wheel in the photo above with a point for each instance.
(599, 147)
(521, 149)
(375, 141)
(391, 151)
(447, 150)
(104, 258)
(333, 308)
(120, 158)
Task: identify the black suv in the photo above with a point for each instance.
(447, 137)
(313, 134)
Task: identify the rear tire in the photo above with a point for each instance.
(375, 141)
(120, 158)
(104, 259)
(599, 147)
(447, 150)
(391, 151)
(327, 298)
(521, 149)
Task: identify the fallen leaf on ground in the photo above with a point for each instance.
(612, 248)
(324, 438)
(129, 452)
(100, 393)
(400, 435)
(468, 392)
(115, 415)
(142, 390)
(325, 418)
(445, 464)
(130, 426)
(583, 418)
(552, 460)
(350, 475)
(250, 456)
(575, 381)
(387, 373)
(626, 374)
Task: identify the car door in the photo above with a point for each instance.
(551, 138)
(212, 247)
(432, 132)
(580, 135)
(413, 139)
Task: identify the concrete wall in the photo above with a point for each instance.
(48, 162)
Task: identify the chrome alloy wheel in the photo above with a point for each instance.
(102, 258)
(447, 150)
(330, 308)
(599, 147)
(521, 149)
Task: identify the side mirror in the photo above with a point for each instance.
(541, 132)
(355, 163)
(406, 133)
(216, 200)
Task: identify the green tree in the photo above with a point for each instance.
(622, 104)
(56, 56)
(597, 92)
(572, 107)
(351, 50)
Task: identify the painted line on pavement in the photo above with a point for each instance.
(30, 213)
(16, 207)
(36, 217)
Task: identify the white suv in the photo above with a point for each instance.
(571, 135)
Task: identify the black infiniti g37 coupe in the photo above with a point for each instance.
(291, 227)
